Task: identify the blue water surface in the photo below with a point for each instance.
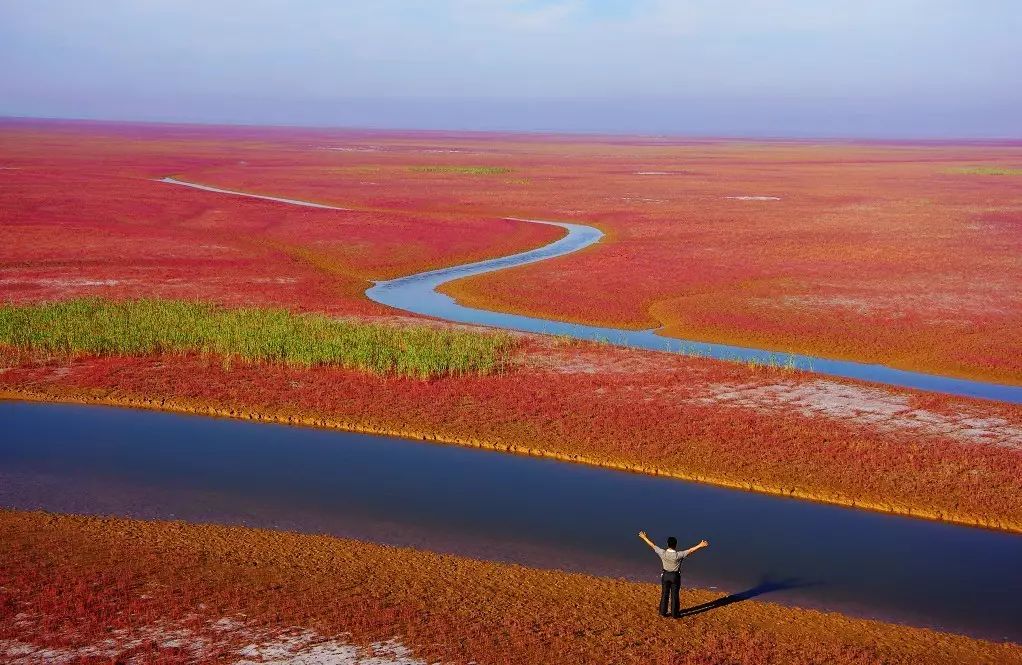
(417, 294)
(144, 464)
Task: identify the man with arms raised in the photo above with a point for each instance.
(670, 576)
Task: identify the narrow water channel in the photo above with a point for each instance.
(417, 294)
(100, 460)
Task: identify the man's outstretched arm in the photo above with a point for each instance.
(696, 548)
(645, 539)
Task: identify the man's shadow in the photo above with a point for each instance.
(765, 586)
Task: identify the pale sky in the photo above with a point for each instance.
(884, 68)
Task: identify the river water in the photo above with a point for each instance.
(545, 513)
(417, 294)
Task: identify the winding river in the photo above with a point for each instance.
(538, 512)
(417, 294)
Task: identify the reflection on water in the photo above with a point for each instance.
(540, 512)
(417, 293)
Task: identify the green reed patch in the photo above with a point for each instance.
(463, 170)
(135, 327)
(986, 170)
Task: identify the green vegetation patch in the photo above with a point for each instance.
(135, 327)
(464, 170)
(986, 170)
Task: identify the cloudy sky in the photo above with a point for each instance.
(940, 68)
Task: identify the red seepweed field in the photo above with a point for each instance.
(906, 254)
(758, 428)
(897, 253)
(82, 215)
(168, 592)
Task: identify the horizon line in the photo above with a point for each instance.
(765, 137)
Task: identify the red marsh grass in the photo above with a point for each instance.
(68, 584)
(760, 428)
(871, 252)
(897, 253)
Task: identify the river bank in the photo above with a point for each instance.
(184, 407)
(580, 404)
(131, 575)
(91, 460)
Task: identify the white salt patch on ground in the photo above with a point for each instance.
(866, 406)
(753, 198)
(652, 173)
(309, 648)
(293, 646)
(15, 648)
(17, 652)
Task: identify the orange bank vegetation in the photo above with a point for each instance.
(752, 427)
(96, 590)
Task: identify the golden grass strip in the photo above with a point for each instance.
(137, 327)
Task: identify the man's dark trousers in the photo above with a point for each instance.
(670, 585)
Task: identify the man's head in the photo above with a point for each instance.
(672, 542)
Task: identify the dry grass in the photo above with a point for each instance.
(140, 327)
